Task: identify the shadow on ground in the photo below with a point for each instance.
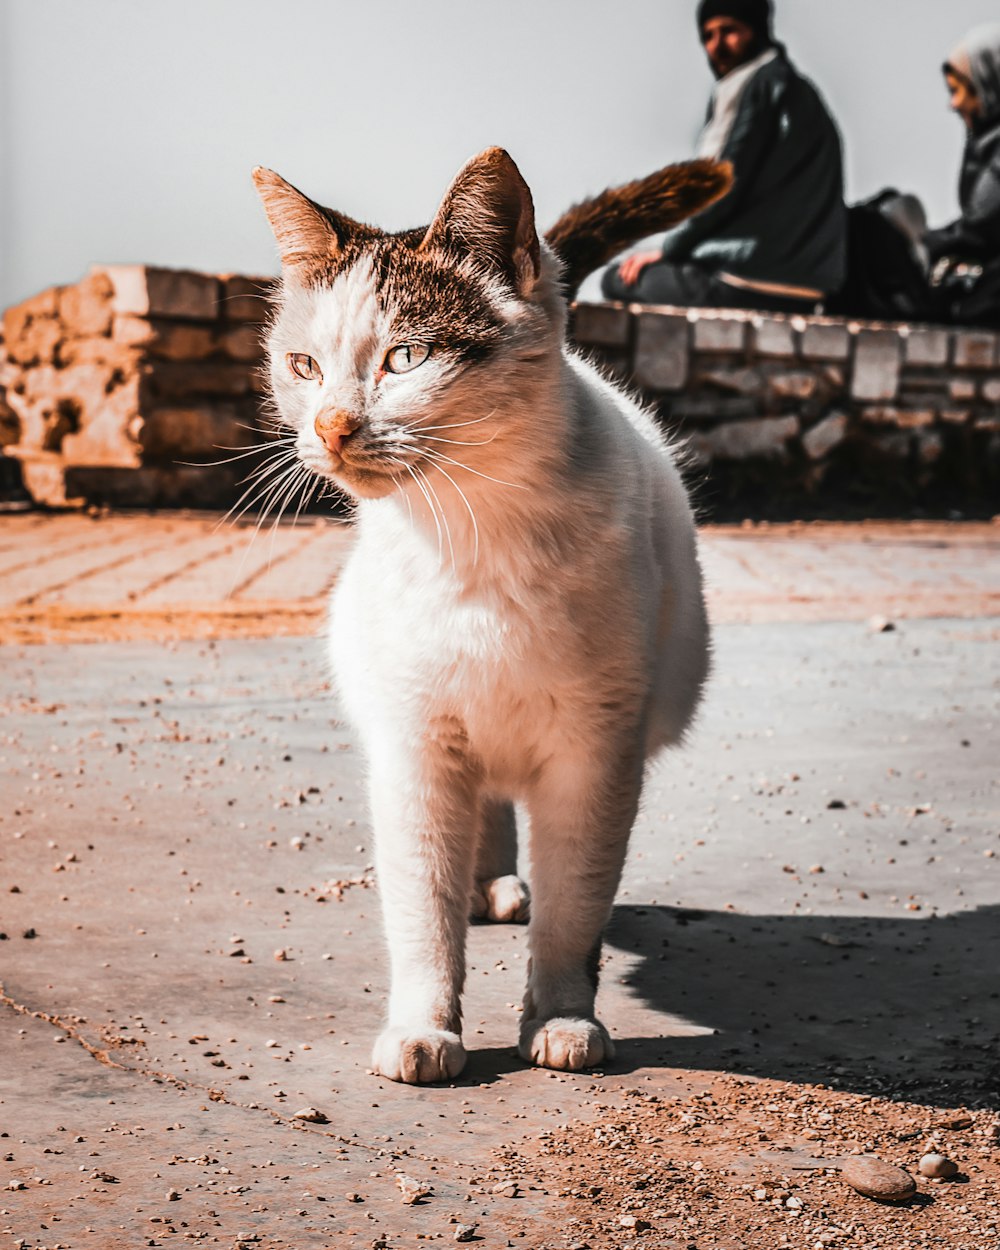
(906, 1009)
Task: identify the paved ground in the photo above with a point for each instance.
(74, 578)
(192, 951)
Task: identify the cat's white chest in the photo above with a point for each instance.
(409, 645)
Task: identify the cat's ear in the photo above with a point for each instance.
(487, 213)
(304, 231)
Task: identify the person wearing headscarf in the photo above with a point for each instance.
(778, 240)
(969, 248)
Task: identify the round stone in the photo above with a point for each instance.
(874, 1178)
(938, 1166)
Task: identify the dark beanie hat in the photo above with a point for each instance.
(754, 13)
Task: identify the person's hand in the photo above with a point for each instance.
(632, 266)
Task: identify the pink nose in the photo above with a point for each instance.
(334, 428)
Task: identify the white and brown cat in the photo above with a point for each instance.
(521, 619)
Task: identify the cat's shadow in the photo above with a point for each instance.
(906, 1008)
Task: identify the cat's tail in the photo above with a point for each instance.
(590, 233)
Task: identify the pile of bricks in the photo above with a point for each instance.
(799, 409)
(124, 387)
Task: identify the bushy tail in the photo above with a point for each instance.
(590, 233)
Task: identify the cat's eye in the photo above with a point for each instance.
(304, 367)
(405, 357)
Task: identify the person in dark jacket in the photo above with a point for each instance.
(778, 240)
(967, 252)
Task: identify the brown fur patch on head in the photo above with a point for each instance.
(422, 274)
(434, 301)
(593, 232)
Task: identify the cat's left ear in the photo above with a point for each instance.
(487, 213)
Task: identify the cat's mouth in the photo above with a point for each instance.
(363, 471)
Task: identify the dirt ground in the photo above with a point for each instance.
(191, 953)
(755, 1164)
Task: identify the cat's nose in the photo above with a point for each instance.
(334, 428)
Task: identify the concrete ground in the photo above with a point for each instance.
(192, 950)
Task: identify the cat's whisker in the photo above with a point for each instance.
(399, 486)
(459, 442)
(276, 499)
(444, 518)
(456, 424)
(436, 456)
(258, 491)
(274, 422)
(434, 516)
(269, 497)
(308, 489)
(256, 480)
(258, 475)
(243, 453)
(472, 515)
(278, 454)
(289, 494)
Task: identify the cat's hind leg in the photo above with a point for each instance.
(498, 893)
(582, 811)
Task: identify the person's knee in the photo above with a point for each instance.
(612, 286)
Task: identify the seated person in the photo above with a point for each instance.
(966, 253)
(778, 240)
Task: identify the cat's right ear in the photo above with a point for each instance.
(305, 233)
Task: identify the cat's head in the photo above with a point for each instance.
(384, 344)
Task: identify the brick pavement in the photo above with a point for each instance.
(72, 577)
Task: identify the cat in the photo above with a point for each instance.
(521, 618)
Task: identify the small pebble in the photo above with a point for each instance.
(172, 1195)
(412, 1189)
(465, 1232)
(312, 1116)
(958, 1121)
(880, 625)
(874, 1178)
(937, 1165)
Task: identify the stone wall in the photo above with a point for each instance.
(793, 415)
(123, 388)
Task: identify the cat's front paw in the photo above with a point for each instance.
(418, 1057)
(566, 1043)
(502, 899)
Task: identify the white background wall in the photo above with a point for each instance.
(129, 127)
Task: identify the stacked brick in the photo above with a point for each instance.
(792, 408)
(123, 387)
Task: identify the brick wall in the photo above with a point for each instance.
(124, 387)
(785, 415)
